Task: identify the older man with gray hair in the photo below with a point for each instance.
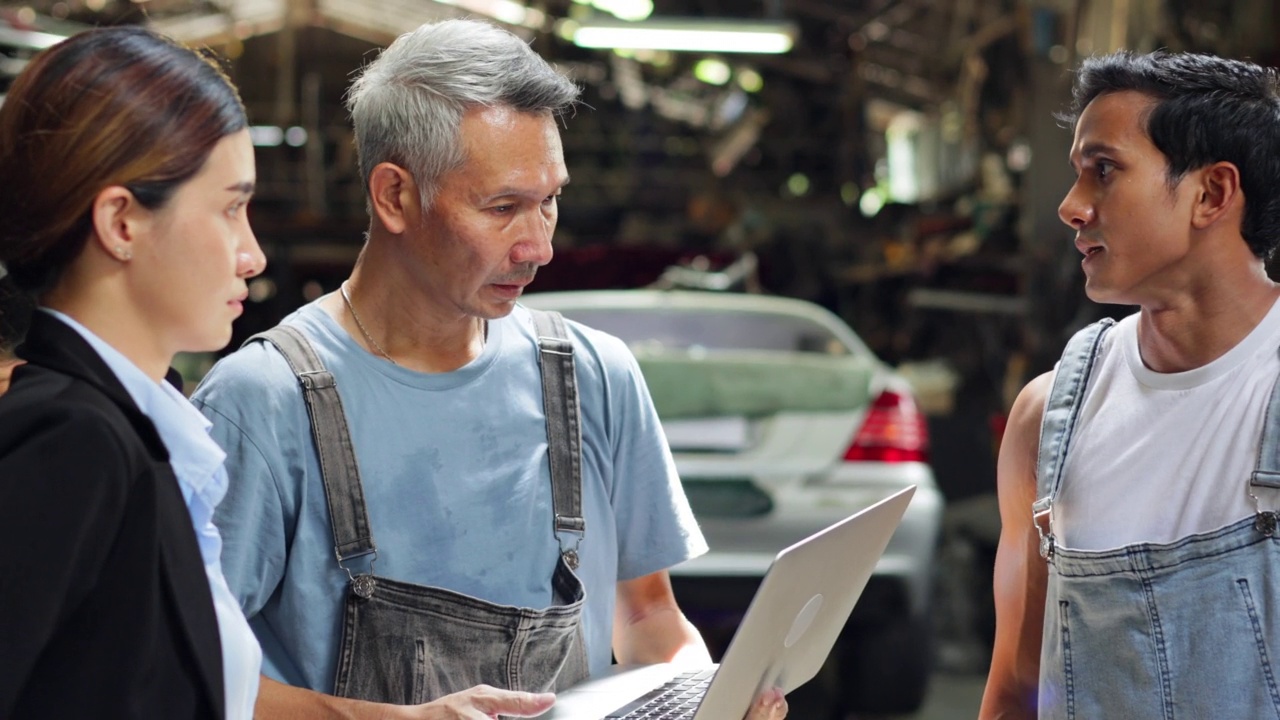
(486, 512)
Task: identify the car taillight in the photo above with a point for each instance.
(893, 431)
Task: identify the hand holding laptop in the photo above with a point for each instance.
(769, 705)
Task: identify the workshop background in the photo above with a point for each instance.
(896, 162)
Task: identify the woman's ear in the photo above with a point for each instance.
(393, 194)
(117, 222)
(1219, 194)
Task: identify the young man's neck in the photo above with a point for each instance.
(1199, 327)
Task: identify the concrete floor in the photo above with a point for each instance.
(951, 696)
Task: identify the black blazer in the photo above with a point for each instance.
(105, 609)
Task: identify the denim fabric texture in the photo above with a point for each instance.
(456, 641)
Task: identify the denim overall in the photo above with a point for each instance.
(1182, 630)
(407, 644)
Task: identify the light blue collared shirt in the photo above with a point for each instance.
(197, 462)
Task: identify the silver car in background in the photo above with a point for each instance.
(782, 421)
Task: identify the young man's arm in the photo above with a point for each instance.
(1020, 572)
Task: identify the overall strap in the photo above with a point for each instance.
(1061, 410)
(1266, 471)
(352, 534)
(564, 431)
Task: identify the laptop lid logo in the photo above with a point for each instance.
(803, 620)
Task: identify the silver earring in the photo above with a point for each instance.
(124, 254)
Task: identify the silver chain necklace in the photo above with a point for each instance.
(369, 338)
(342, 289)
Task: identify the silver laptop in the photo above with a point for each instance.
(783, 640)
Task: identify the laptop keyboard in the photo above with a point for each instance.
(677, 699)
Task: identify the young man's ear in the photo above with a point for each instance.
(1219, 194)
(117, 220)
(393, 195)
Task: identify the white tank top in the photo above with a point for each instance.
(1159, 456)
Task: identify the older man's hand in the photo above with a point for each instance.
(770, 705)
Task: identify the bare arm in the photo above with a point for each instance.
(1020, 572)
(648, 627)
(277, 701)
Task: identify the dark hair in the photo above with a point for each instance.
(112, 106)
(1208, 109)
(15, 315)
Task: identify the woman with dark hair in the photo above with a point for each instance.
(127, 167)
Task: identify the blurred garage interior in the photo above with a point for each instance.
(894, 162)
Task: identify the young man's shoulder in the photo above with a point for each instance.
(1027, 412)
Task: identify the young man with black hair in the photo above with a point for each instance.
(1138, 557)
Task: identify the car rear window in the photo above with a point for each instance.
(657, 329)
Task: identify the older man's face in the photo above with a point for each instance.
(490, 226)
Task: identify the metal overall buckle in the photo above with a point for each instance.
(578, 527)
(1265, 522)
(570, 555)
(1043, 521)
(363, 584)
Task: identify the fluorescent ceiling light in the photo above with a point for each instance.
(695, 35)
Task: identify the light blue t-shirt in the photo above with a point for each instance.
(456, 479)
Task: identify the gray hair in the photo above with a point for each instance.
(407, 105)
